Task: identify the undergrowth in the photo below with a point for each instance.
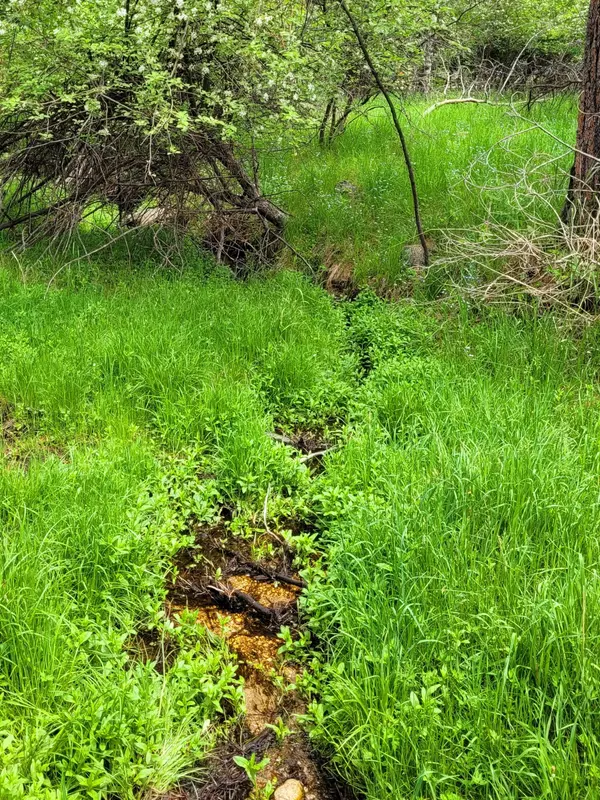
(476, 166)
(457, 613)
(126, 411)
(457, 512)
(459, 609)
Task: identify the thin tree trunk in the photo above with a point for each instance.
(584, 189)
(324, 121)
(396, 121)
(428, 54)
(341, 122)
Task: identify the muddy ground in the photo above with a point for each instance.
(246, 602)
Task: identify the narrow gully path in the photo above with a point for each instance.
(243, 602)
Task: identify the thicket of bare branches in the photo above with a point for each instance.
(550, 258)
(70, 165)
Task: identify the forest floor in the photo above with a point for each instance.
(253, 532)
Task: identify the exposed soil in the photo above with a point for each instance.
(20, 441)
(311, 445)
(339, 279)
(246, 602)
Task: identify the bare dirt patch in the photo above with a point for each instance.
(20, 441)
(339, 279)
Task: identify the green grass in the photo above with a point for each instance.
(458, 613)
(460, 607)
(467, 160)
(115, 401)
(83, 549)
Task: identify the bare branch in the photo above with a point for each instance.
(388, 98)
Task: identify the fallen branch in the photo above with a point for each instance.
(280, 577)
(230, 596)
(227, 596)
(295, 252)
(278, 437)
(316, 454)
(455, 101)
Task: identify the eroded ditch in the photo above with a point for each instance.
(246, 602)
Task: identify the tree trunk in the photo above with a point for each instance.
(428, 56)
(324, 121)
(403, 143)
(584, 189)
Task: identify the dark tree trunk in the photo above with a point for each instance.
(584, 188)
(324, 121)
(428, 56)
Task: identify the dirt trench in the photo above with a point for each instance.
(246, 602)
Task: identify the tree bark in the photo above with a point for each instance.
(428, 55)
(584, 189)
(251, 195)
(324, 121)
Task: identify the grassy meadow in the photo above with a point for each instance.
(473, 164)
(114, 403)
(460, 606)
(455, 610)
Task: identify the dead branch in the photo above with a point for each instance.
(456, 100)
(50, 183)
(255, 568)
(229, 596)
(316, 454)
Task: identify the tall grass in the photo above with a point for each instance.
(467, 158)
(83, 551)
(458, 613)
(460, 609)
(125, 411)
(183, 359)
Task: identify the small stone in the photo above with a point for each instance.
(414, 255)
(345, 187)
(290, 790)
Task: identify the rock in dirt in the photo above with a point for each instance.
(414, 255)
(347, 188)
(290, 790)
